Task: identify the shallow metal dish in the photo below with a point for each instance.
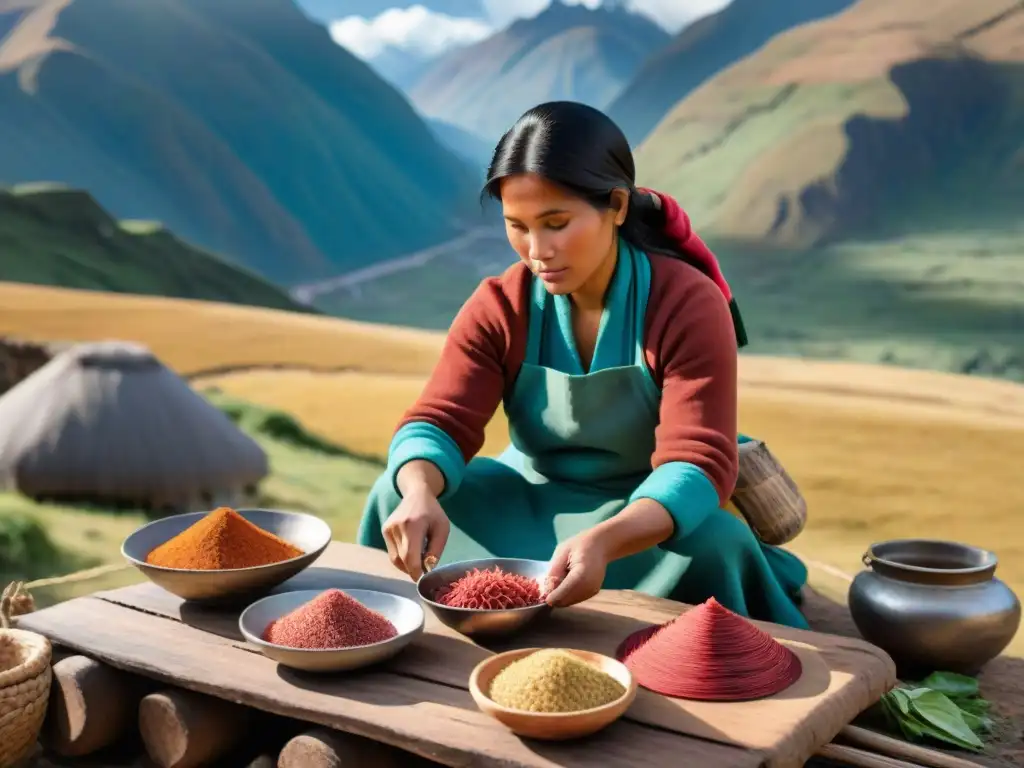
(476, 622)
(308, 533)
(405, 614)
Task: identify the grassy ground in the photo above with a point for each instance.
(84, 538)
(880, 452)
(332, 487)
(951, 301)
(57, 236)
(193, 336)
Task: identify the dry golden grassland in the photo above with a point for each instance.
(879, 452)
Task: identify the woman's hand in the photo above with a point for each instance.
(577, 570)
(579, 564)
(416, 529)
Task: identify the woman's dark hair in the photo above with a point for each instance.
(582, 150)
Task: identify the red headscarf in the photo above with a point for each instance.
(678, 227)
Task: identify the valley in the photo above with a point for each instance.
(944, 300)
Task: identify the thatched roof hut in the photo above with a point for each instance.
(108, 423)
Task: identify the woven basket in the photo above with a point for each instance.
(767, 497)
(24, 684)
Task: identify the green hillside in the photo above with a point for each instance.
(62, 237)
(886, 119)
(937, 301)
(703, 49)
(238, 123)
(565, 52)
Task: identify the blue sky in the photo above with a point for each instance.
(429, 27)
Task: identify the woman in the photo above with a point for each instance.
(613, 347)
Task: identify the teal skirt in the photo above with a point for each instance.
(498, 512)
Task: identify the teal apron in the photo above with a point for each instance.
(581, 444)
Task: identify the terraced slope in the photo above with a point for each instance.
(886, 118)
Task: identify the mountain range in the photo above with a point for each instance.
(703, 49)
(565, 52)
(883, 120)
(819, 124)
(238, 123)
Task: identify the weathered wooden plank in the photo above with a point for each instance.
(842, 676)
(435, 721)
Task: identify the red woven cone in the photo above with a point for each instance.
(710, 654)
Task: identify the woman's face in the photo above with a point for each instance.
(563, 239)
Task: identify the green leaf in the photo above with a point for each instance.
(897, 706)
(951, 684)
(978, 707)
(977, 723)
(901, 699)
(943, 717)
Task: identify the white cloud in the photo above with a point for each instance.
(674, 14)
(421, 31)
(415, 29)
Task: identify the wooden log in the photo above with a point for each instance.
(183, 729)
(323, 748)
(858, 758)
(887, 745)
(92, 706)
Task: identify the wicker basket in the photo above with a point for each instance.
(767, 497)
(24, 684)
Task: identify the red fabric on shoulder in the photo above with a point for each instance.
(678, 227)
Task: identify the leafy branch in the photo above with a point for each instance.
(944, 707)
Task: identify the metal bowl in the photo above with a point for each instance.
(479, 622)
(405, 614)
(308, 533)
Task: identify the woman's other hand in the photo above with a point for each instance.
(577, 570)
(419, 527)
(579, 564)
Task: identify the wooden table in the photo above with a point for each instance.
(419, 701)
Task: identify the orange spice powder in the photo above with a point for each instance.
(223, 539)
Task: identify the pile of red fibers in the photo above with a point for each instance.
(712, 654)
(489, 591)
(330, 620)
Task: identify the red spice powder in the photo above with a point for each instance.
(330, 620)
(712, 654)
(489, 591)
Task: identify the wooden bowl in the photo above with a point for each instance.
(551, 726)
